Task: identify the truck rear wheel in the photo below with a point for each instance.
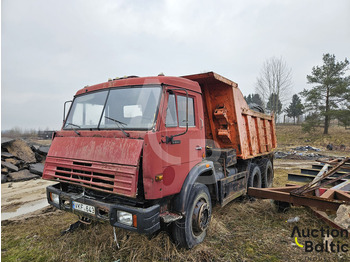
(191, 230)
(267, 173)
(254, 179)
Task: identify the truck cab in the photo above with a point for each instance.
(144, 151)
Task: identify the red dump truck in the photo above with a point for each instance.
(143, 152)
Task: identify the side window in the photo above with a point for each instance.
(171, 117)
(181, 101)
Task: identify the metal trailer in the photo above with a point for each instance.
(317, 194)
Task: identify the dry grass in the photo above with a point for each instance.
(240, 231)
(292, 135)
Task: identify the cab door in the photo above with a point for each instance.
(182, 148)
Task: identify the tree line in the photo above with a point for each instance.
(328, 97)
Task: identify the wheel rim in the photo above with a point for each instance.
(200, 217)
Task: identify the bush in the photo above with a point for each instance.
(311, 122)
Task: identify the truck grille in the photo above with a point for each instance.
(112, 178)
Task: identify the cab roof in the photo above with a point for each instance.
(151, 80)
(190, 82)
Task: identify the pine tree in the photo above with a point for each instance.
(295, 108)
(254, 99)
(331, 91)
(274, 104)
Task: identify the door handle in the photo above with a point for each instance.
(198, 148)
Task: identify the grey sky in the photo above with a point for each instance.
(50, 49)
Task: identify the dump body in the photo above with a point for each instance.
(229, 121)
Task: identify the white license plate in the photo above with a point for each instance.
(83, 207)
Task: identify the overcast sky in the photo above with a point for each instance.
(50, 49)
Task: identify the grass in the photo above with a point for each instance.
(292, 135)
(240, 231)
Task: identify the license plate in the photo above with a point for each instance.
(83, 207)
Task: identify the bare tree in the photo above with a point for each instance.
(275, 79)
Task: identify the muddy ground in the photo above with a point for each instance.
(28, 194)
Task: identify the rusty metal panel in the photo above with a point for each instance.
(100, 149)
(268, 135)
(313, 194)
(273, 131)
(105, 164)
(300, 200)
(230, 122)
(168, 80)
(110, 178)
(221, 115)
(253, 136)
(313, 185)
(261, 135)
(242, 134)
(247, 142)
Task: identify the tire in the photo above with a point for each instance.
(254, 179)
(192, 229)
(267, 173)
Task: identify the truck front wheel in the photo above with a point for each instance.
(191, 230)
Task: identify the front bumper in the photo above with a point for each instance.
(148, 220)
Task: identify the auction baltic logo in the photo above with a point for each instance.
(326, 246)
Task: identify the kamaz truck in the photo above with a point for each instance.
(147, 152)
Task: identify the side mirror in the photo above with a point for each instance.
(64, 109)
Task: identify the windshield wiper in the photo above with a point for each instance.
(70, 124)
(119, 124)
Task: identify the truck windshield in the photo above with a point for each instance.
(122, 108)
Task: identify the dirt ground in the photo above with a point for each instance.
(31, 193)
(241, 231)
(28, 193)
(15, 195)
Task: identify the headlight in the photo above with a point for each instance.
(55, 198)
(124, 218)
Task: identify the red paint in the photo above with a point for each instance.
(168, 176)
(172, 159)
(172, 81)
(106, 164)
(108, 161)
(230, 122)
(322, 190)
(110, 178)
(121, 151)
